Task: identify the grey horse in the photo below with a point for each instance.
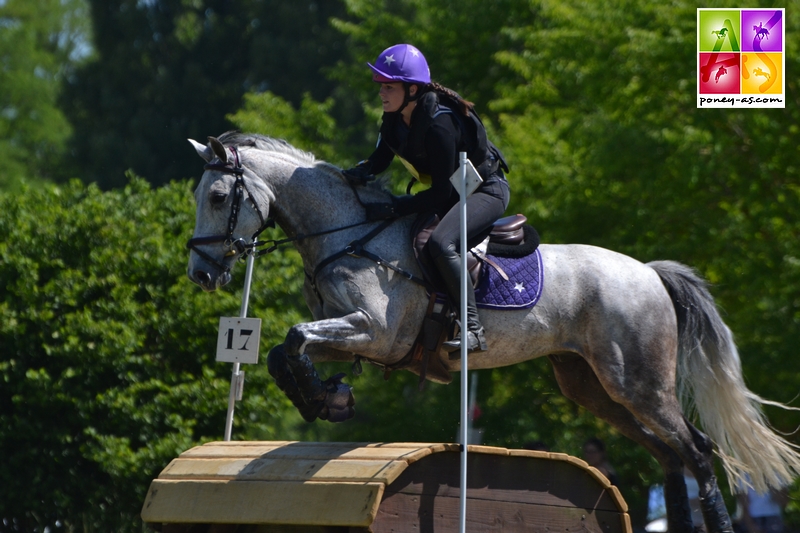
(631, 342)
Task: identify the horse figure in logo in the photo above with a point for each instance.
(628, 341)
(759, 72)
(720, 33)
(761, 31)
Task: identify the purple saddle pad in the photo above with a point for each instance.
(523, 288)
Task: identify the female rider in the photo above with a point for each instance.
(426, 126)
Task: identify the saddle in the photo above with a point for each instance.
(509, 237)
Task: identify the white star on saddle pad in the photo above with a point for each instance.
(519, 287)
(390, 59)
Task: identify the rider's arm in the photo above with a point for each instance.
(380, 159)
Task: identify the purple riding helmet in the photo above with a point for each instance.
(401, 62)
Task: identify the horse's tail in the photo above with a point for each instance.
(710, 385)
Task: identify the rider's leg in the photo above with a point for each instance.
(449, 266)
(485, 206)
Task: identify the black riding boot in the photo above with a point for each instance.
(449, 267)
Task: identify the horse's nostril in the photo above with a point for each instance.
(202, 277)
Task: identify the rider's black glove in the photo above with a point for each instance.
(361, 174)
(380, 211)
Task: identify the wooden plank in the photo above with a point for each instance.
(511, 478)
(536, 454)
(599, 476)
(580, 463)
(434, 447)
(262, 502)
(338, 486)
(493, 450)
(258, 528)
(321, 452)
(258, 442)
(406, 512)
(284, 469)
(617, 496)
(559, 456)
(626, 522)
(596, 474)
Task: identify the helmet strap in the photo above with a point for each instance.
(408, 98)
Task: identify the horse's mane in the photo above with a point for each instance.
(280, 146)
(269, 144)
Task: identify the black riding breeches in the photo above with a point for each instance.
(484, 207)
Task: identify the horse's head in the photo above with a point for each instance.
(231, 210)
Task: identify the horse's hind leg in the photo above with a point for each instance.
(644, 388)
(580, 384)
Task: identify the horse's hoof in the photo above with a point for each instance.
(341, 415)
(339, 401)
(311, 412)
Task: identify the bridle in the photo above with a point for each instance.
(235, 246)
(243, 248)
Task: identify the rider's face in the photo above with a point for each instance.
(392, 96)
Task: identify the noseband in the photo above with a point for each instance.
(235, 246)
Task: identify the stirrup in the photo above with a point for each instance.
(476, 341)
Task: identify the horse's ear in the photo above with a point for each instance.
(219, 149)
(202, 150)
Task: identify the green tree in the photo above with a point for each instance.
(634, 166)
(310, 128)
(171, 69)
(107, 352)
(40, 43)
(608, 148)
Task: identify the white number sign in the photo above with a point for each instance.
(238, 340)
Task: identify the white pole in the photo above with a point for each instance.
(237, 376)
(473, 400)
(462, 191)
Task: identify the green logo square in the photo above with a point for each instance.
(718, 30)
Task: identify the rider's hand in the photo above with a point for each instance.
(380, 211)
(361, 174)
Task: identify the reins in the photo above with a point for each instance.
(243, 248)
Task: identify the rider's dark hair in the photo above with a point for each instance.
(465, 106)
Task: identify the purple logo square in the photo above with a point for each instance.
(762, 30)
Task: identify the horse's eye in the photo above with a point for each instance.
(218, 198)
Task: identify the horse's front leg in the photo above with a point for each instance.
(329, 400)
(350, 333)
(295, 374)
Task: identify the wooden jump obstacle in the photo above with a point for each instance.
(288, 487)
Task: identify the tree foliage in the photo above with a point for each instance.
(612, 151)
(171, 69)
(40, 43)
(106, 352)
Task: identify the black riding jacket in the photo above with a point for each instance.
(438, 132)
